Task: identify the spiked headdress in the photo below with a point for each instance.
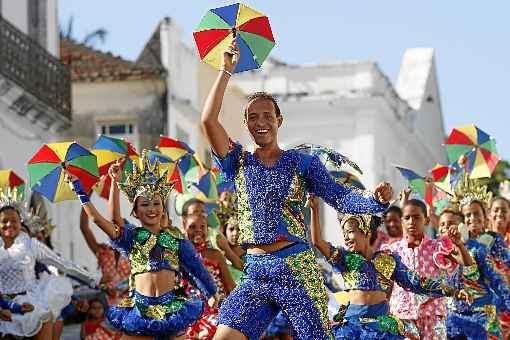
(146, 180)
(471, 190)
(14, 198)
(37, 221)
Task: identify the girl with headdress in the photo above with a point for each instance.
(477, 276)
(18, 255)
(156, 255)
(492, 259)
(368, 277)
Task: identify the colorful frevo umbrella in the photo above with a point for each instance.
(347, 178)
(191, 169)
(417, 184)
(109, 150)
(477, 146)
(174, 149)
(445, 177)
(220, 26)
(9, 179)
(205, 190)
(46, 170)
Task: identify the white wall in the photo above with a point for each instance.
(17, 13)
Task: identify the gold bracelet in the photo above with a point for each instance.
(225, 71)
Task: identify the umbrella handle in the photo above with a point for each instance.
(234, 34)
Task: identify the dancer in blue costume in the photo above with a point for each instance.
(369, 276)
(478, 277)
(487, 285)
(156, 255)
(271, 186)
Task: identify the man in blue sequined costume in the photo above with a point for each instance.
(272, 186)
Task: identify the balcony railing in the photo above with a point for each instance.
(24, 62)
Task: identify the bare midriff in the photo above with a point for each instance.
(155, 283)
(268, 248)
(364, 297)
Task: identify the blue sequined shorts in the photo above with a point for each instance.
(165, 315)
(373, 322)
(482, 323)
(288, 280)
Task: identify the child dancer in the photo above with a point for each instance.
(152, 309)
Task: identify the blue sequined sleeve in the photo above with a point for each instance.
(12, 306)
(192, 263)
(229, 164)
(500, 250)
(124, 241)
(496, 281)
(342, 198)
(412, 281)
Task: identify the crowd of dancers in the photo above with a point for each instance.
(408, 274)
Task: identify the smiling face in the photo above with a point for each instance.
(474, 216)
(413, 222)
(355, 240)
(10, 224)
(499, 216)
(149, 211)
(448, 220)
(195, 227)
(262, 121)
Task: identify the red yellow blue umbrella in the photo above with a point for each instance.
(9, 179)
(46, 170)
(109, 150)
(220, 26)
(173, 148)
(477, 146)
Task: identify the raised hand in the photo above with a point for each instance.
(383, 192)
(404, 196)
(114, 171)
(231, 57)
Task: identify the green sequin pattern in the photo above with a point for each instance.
(169, 308)
(293, 207)
(388, 324)
(139, 255)
(144, 241)
(246, 234)
(354, 261)
(306, 270)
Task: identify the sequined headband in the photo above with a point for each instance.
(364, 222)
